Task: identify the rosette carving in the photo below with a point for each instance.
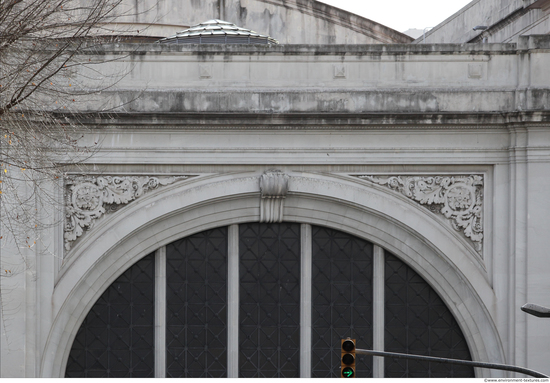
(89, 198)
(458, 198)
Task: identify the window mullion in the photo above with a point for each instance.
(160, 313)
(378, 310)
(233, 302)
(305, 303)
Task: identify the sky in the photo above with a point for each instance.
(402, 14)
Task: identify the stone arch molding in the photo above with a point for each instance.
(340, 202)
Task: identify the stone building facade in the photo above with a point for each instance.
(305, 192)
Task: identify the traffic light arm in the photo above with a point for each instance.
(494, 366)
(536, 310)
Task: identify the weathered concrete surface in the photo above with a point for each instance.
(506, 20)
(288, 21)
(332, 78)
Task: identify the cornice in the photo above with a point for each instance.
(317, 121)
(304, 49)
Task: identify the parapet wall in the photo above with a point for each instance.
(393, 78)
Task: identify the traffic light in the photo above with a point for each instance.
(348, 358)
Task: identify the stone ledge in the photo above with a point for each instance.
(293, 121)
(305, 49)
(352, 101)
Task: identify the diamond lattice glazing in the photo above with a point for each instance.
(418, 322)
(269, 330)
(116, 337)
(196, 308)
(342, 300)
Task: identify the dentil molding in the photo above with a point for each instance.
(458, 198)
(89, 198)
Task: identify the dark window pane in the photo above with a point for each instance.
(116, 338)
(418, 322)
(196, 312)
(269, 274)
(342, 300)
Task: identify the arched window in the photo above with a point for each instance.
(266, 300)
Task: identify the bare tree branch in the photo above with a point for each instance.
(47, 70)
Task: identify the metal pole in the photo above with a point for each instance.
(493, 366)
(536, 310)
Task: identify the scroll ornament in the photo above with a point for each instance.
(273, 188)
(88, 198)
(458, 198)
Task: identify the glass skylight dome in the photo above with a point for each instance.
(217, 32)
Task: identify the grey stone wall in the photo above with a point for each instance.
(288, 21)
(506, 20)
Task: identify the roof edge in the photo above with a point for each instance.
(346, 19)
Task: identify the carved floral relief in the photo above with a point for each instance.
(89, 198)
(458, 198)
